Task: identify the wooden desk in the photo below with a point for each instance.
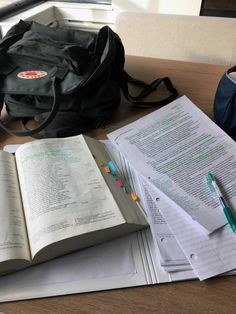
(214, 296)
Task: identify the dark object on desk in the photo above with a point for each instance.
(67, 80)
(225, 102)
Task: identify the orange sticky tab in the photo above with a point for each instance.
(100, 162)
(107, 170)
(134, 197)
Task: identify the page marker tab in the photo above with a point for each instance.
(134, 197)
(100, 162)
(119, 182)
(115, 176)
(107, 169)
(111, 166)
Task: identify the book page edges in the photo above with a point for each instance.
(129, 209)
(79, 242)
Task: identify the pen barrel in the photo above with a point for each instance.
(230, 217)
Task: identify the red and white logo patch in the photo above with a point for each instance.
(30, 75)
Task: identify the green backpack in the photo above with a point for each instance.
(68, 80)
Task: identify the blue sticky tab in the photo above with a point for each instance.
(111, 166)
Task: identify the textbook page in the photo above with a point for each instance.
(209, 255)
(13, 234)
(175, 147)
(58, 176)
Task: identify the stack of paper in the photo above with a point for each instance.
(165, 156)
(169, 253)
(172, 150)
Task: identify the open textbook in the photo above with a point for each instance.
(131, 260)
(55, 199)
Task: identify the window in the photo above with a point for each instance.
(86, 14)
(9, 7)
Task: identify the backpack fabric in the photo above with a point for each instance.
(67, 80)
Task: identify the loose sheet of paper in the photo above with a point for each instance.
(175, 147)
(169, 249)
(209, 255)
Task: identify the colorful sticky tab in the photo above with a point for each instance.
(107, 169)
(111, 166)
(100, 162)
(134, 197)
(119, 182)
(115, 176)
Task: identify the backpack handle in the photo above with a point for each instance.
(44, 124)
(147, 90)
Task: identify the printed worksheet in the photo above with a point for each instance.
(174, 148)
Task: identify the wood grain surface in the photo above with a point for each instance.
(214, 296)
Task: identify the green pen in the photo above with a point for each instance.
(227, 211)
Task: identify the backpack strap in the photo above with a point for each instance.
(44, 124)
(14, 34)
(147, 90)
(125, 79)
(6, 66)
